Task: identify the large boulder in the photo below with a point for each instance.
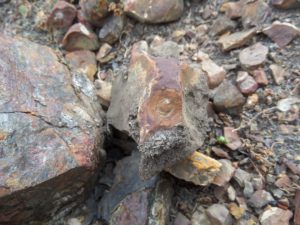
(164, 108)
(50, 134)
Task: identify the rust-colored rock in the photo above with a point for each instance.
(286, 4)
(246, 83)
(83, 62)
(282, 33)
(158, 110)
(80, 37)
(51, 136)
(197, 168)
(236, 40)
(62, 15)
(260, 76)
(156, 11)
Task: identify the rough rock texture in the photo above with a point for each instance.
(253, 56)
(51, 133)
(236, 40)
(62, 15)
(134, 201)
(197, 168)
(286, 4)
(157, 11)
(94, 11)
(164, 108)
(218, 214)
(282, 33)
(83, 62)
(228, 98)
(80, 37)
(276, 216)
(112, 29)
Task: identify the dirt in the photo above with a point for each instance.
(266, 146)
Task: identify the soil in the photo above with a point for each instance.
(266, 146)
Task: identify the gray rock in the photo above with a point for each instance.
(112, 29)
(199, 217)
(240, 176)
(228, 98)
(218, 214)
(260, 199)
(248, 189)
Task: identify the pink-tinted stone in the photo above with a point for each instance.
(278, 73)
(260, 76)
(234, 141)
(215, 74)
(62, 15)
(80, 37)
(282, 33)
(246, 83)
(275, 216)
(253, 56)
(283, 182)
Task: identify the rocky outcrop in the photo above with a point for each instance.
(164, 108)
(50, 134)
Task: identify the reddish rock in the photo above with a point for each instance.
(62, 15)
(226, 173)
(94, 11)
(260, 76)
(158, 110)
(79, 37)
(253, 56)
(83, 62)
(286, 4)
(234, 141)
(283, 182)
(294, 167)
(297, 208)
(51, 139)
(215, 74)
(260, 199)
(236, 40)
(246, 83)
(255, 13)
(282, 33)
(275, 216)
(228, 98)
(156, 11)
(278, 73)
(233, 10)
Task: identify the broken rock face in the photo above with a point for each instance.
(164, 108)
(52, 135)
(157, 11)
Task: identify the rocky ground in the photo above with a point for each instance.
(172, 77)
